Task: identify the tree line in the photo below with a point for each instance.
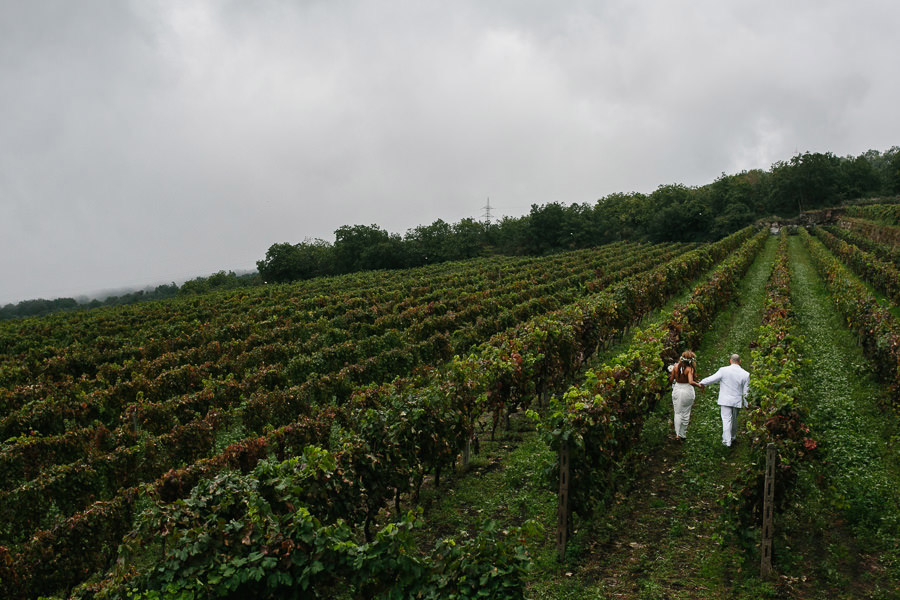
(671, 213)
(199, 285)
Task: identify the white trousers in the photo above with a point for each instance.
(682, 401)
(729, 423)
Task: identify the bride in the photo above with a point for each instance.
(681, 375)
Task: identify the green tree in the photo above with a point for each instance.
(281, 264)
(677, 215)
(734, 201)
(546, 228)
(315, 258)
(290, 262)
(623, 216)
(428, 244)
(859, 178)
(806, 182)
(468, 240)
(893, 174)
(509, 235)
(364, 247)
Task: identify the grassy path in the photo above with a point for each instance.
(843, 531)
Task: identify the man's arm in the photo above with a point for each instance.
(746, 390)
(714, 378)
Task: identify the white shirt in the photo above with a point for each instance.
(734, 385)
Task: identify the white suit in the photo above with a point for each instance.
(734, 385)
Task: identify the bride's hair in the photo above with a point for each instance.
(687, 360)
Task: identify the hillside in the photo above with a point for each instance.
(330, 435)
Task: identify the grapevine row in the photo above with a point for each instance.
(600, 420)
(307, 333)
(883, 234)
(777, 414)
(151, 329)
(305, 316)
(314, 336)
(883, 275)
(143, 417)
(888, 214)
(407, 432)
(882, 251)
(878, 329)
(399, 425)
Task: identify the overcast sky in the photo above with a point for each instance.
(146, 142)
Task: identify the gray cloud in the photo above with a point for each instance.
(145, 142)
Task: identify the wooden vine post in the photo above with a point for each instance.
(765, 567)
(562, 523)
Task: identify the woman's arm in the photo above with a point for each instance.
(690, 374)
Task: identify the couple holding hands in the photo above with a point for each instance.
(733, 382)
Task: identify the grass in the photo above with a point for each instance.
(508, 483)
(843, 530)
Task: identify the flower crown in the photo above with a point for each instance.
(687, 360)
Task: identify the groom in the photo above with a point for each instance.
(734, 385)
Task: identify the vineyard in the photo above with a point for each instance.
(311, 440)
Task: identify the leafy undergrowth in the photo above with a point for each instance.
(506, 483)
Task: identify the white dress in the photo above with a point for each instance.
(682, 402)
